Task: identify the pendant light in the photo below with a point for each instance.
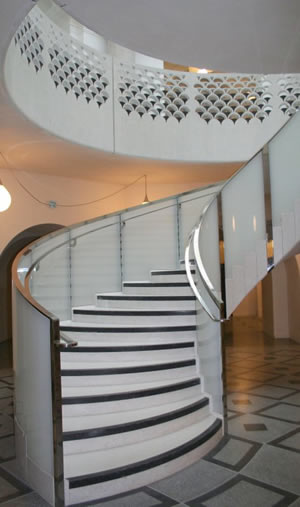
(146, 200)
(5, 198)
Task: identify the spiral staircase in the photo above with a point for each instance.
(134, 409)
(119, 378)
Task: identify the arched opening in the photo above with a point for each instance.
(6, 259)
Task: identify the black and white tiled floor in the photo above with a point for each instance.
(257, 464)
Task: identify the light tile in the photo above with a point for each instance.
(256, 402)
(283, 411)
(272, 391)
(274, 430)
(186, 484)
(233, 452)
(238, 495)
(278, 467)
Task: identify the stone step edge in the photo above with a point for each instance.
(137, 424)
(127, 369)
(129, 348)
(127, 395)
(146, 464)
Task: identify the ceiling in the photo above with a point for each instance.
(254, 36)
(259, 36)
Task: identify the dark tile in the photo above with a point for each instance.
(255, 427)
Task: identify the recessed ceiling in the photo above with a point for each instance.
(253, 36)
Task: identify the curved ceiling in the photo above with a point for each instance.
(259, 36)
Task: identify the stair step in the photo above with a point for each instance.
(132, 317)
(84, 374)
(121, 300)
(138, 426)
(74, 427)
(123, 397)
(115, 392)
(109, 347)
(165, 275)
(157, 288)
(115, 332)
(87, 473)
(101, 355)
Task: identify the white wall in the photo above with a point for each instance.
(25, 212)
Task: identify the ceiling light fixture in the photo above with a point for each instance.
(5, 198)
(203, 71)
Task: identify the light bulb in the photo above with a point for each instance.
(5, 198)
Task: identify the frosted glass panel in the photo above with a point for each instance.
(23, 267)
(190, 211)
(284, 156)
(95, 263)
(50, 281)
(33, 396)
(244, 231)
(209, 252)
(149, 240)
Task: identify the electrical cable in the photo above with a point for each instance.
(12, 170)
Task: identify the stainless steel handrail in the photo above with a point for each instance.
(68, 342)
(194, 239)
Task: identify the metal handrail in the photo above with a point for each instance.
(194, 239)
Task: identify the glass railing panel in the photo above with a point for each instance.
(33, 397)
(191, 206)
(95, 260)
(284, 162)
(149, 239)
(209, 280)
(50, 280)
(244, 229)
(23, 266)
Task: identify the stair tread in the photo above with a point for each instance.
(125, 311)
(83, 464)
(131, 342)
(75, 391)
(71, 323)
(76, 423)
(82, 365)
(140, 296)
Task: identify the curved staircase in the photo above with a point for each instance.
(134, 410)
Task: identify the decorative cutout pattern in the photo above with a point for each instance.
(71, 65)
(28, 39)
(78, 76)
(289, 94)
(153, 93)
(232, 97)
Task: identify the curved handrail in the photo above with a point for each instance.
(194, 238)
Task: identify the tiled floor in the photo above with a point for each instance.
(256, 465)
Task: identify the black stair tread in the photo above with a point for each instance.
(213, 426)
(139, 391)
(137, 423)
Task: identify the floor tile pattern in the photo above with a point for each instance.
(257, 464)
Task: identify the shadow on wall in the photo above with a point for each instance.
(6, 259)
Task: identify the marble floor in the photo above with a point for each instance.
(257, 464)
